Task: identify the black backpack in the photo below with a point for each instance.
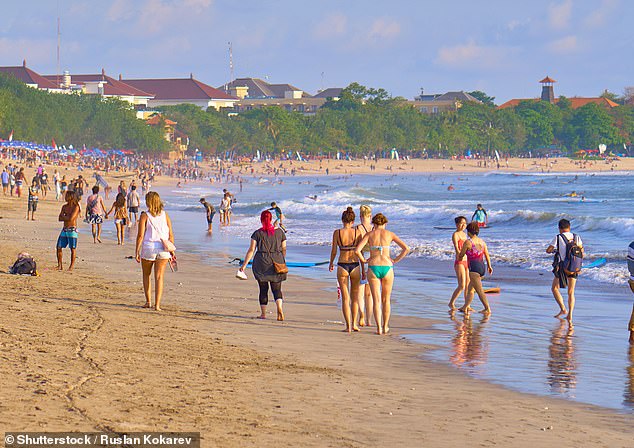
(574, 255)
(24, 266)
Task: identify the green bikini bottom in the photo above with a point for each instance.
(380, 271)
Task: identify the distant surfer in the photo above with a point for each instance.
(312, 196)
(480, 216)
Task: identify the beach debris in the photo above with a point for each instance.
(338, 322)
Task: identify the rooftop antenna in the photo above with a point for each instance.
(231, 78)
(58, 42)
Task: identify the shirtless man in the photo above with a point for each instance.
(68, 236)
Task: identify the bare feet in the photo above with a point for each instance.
(562, 313)
(570, 324)
(147, 305)
(60, 267)
(158, 308)
(280, 315)
(386, 330)
(355, 328)
(379, 330)
(99, 240)
(261, 316)
(486, 311)
(346, 330)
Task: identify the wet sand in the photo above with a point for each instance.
(78, 353)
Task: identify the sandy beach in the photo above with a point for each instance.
(79, 353)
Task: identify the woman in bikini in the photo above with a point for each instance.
(348, 271)
(380, 265)
(476, 251)
(365, 299)
(460, 265)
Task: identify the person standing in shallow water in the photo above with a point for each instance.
(269, 246)
(381, 268)
(630, 267)
(562, 280)
(460, 265)
(476, 252)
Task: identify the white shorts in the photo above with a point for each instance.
(153, 251)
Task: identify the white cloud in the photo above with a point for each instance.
(515, 24)
(473, 55)
(559, 15)
(335, 24)
(565, 45)
(385, 28)
(35, 51)
(120, 10)
(599, 16)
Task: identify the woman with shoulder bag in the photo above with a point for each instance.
(154, 247)
(269, 263)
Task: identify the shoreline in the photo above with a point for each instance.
(83, 355)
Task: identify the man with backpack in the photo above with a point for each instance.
(630, 267)
(568, 250)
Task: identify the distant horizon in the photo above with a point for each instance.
(501, 49)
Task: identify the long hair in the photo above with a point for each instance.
(154, 203)
(120, 200)
(266, 219)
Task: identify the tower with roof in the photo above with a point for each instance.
(548, 93)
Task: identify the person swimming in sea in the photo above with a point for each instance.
(381, 268)
(480, 216)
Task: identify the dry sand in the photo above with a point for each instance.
(78, 353)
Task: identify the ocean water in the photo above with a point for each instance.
(521, 345)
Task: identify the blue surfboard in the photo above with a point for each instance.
(596, 263)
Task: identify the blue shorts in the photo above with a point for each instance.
(67, 238)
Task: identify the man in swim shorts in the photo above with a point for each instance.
(480, 216)
(630, 267)
(134, 201)
(68, 236)
(210, 211)
(558, 247)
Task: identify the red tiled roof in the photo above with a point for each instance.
(576, 102)
(28, 76)
(156, 119)
(178, 89)
(112, 87)
(547, 79)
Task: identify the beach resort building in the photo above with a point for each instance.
(548, 94)
(101, 84)
(29, 77)
(255, 93)
(442, 102)
(174, 91)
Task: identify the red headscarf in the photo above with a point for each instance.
(266, 219)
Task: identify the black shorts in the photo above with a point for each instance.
(210, 218)
(32, 207)
(133, 209)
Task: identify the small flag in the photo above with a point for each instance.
(54, 144)
(11, 136)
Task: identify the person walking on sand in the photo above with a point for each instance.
(560, 247)
(279, 216)
(20, 177)
(476, 251)
(68, 236)
(366, 304)
(32, 200)
(95, 212)
(120, 217)
(348, 270)
(630, 267)
(5, 181)
(58, 185)
(134, 201)
(210, 211)
(380, 265)
(269, 246)
(153, 235)
(480, 216)
(460, 265)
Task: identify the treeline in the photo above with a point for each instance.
(366, 119)
(72, 119)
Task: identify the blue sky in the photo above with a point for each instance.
(500, 46)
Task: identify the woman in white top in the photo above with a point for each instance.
(154, 228)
